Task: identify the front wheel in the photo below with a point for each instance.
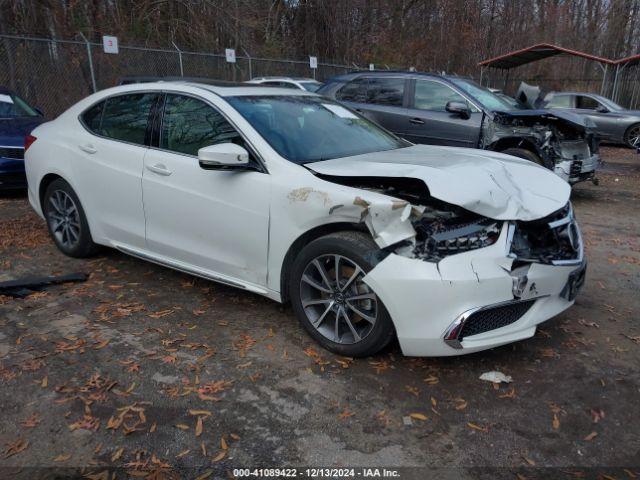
(526, 154)
(66, 220)
(331, 300)
(632, 136)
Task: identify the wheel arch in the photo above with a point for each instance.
(47, 180)
(299, 243)
(524, 143)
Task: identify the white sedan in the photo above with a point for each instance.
(290, 195)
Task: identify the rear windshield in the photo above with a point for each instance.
(306, 129)
(311, 86)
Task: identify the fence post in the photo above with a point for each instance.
(179, 57)
(93, 76)
(249, 57)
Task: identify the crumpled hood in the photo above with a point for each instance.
(580, 122)
(491, 184)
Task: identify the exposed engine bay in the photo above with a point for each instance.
(443, 229)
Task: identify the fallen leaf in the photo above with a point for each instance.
(117, 454)
(182, 426)
(234, 436)
(206, 413)
(591, 436)
(556, 422)
(182, 454)
(477, 427)
(15, 447)
(45, 382)
(418, 416)
(205, 475)
(223, 444)
(62, 457)
(220, 456)
(461, 404)
(199, 427)
(529, 461)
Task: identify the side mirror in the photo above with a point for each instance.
(602, 109)
(223, 156)
(459, 108)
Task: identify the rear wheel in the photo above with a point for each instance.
(632, 136)
(66, 220)
(336, 307)
(526, 154)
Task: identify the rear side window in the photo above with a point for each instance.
(354, 91)
(560, 101)
(92, 118)
(386, 91)
(125, 117)
(190, 124)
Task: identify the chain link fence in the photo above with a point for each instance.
(54, 74)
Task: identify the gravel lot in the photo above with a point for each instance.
(163, 375)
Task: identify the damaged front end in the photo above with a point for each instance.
(565, 143)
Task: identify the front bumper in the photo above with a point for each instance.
(574, 171)
(12, 174)
(425, 300)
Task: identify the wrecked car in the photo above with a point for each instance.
(455, 111)
(292, 196)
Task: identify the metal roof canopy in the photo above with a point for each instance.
(535, 53)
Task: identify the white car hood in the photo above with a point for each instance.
(491, 184)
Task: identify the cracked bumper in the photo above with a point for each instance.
(424, 299)
(574, 171)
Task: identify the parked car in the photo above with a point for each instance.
(613, 123)
(292, 196)
(444, 110)
(17, 119)
(129, 79)
(308, 84)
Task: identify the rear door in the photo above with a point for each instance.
(429, 122)
(380, 99)
(109, 177)
(605, 120)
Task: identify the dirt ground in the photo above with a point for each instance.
(162, 375)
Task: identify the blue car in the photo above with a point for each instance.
(17, 120)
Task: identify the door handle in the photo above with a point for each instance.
(160, 169)
(88, 148)
(416, 121)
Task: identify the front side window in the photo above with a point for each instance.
(305, 129)
(190, 124)
(354, 91)
(386, 91)
(12, 106)
(125, 117)
(560, 101)
(587, 103)
(434, 96)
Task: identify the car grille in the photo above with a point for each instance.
(491, 318)
(13, 153)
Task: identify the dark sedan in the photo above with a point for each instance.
(613, 122)
(17, 120)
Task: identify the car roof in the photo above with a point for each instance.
(295, 79)
(393, 73)
(226, 90)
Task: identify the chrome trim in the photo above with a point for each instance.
(12, 146)
(452, 334)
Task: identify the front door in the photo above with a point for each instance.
(429, 122)
(210, 219)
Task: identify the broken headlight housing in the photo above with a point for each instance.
(440, 233)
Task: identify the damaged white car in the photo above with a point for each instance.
(292, 196)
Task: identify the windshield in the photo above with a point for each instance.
(306, 129)
(12, 106)
(486, 97)
(610, 104)
(311, 86)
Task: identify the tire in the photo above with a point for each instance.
(361, 336)
(66, 221)
(526, 154)
(632, 136)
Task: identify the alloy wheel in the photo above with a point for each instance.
(64, 219)
(336, 301)
(633, 137)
